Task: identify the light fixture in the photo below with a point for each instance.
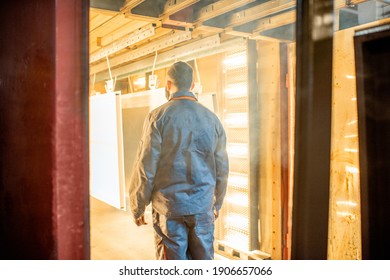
(236, 120)
(237, 221)
(351, 150)
(238, 200)
(351, 169)
(346, 203)
(236, 90)
(235, 61)
(141, 82)
(238, 180)
(237, 150)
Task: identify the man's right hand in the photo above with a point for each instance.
(216, 214)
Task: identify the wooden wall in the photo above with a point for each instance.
(270, 148)
(344, 215)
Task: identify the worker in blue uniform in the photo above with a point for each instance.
(182, 169)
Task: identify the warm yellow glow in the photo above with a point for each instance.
(235, 61)
(352, 122)
(237, 221)
(351, 169)
(351, 150)
(237, 199)
(239, 240)
(237, 150)
(350, 77)
(236, 90)
(238, 180)
(346, 203)
(236, 120)
(350, 136)
(140, 81)
(346, 214)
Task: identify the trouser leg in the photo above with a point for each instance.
(201, 236)
(170, 237)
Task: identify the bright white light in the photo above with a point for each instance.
(350, 136)
(237, 199)
(140, 81)
(237, 221)
(235, 61)
(351, 150)
(346, 203)
(236, 90)
(350, 77)
(351, 169)
(236, 120)
(346, 214)
(352, 122)
(237, 150)
(237, 240)
(238, 180)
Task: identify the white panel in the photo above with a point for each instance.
(106, 150)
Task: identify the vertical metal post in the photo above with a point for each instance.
(254, 179)
(314, 30)
(70, 143)
(284, 144)
(44, 209)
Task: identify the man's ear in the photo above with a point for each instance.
(168, 84)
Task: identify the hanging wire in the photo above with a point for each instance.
(197, 71)
(109, 68)
(93, 81)
(154, 63)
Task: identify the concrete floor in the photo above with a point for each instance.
(114, 236)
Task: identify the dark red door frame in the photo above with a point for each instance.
(71, 169)
(44, 209)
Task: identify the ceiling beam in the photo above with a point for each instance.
(153, 10)
(130, 4)
(115, 35)
(199, 48)
(251, 14)
(108, 26)
(110, 5)
(218, 8)
(253, 30)
(275, 21)
(164, 42)
(123, 42)
(174, 6)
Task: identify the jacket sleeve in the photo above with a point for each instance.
(222, 169)
(144, 169)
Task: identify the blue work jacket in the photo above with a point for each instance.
(182, 165)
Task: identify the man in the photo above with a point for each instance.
(182, 169)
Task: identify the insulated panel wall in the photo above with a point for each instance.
(106, 150)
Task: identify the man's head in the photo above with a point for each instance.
(180, 75)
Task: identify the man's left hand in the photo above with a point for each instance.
(140, 221)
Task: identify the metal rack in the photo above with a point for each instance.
(237, 228)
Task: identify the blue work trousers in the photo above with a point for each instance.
(189, 237)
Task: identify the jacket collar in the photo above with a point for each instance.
(183, 93)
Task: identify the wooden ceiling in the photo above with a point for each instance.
(127, 34)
